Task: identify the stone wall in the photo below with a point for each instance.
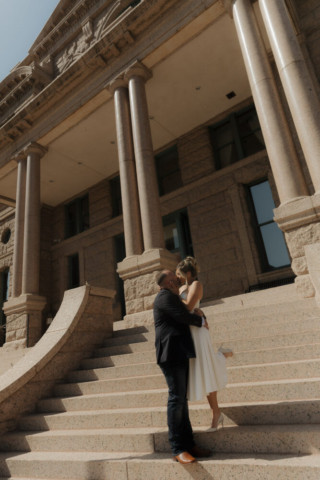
(309, 20)
(95, 246)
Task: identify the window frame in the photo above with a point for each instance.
(79, 219)
(115, 205)
(3, 274)
(232, 119)
(180, 218)
(70, 257)
(266, 267)
(160, 177)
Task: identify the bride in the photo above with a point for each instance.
(208, 371)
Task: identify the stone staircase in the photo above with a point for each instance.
(108, 420)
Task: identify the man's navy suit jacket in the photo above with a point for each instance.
(172, 320)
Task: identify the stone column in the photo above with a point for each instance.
(24, 313)
(129, 189)
(296, 80)
(281, 151)
(138, 271)
(151, 219)
(31, 248)
(19, 226)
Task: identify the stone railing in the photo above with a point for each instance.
(83, 321)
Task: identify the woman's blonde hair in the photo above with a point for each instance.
(189, 264)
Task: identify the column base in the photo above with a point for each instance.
(139, 275)
(300, 222)
(24, 321)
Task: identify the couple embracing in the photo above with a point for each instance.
(186, 356)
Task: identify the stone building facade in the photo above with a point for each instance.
(190, 105)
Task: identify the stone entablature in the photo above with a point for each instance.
(94, 41)
(16, 89)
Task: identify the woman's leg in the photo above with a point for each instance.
(213, 402)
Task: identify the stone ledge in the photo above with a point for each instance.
(148, 262)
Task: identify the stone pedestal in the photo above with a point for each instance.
(23, 321)
(140, 288)
(300, 222)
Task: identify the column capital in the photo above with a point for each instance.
(138, 69)
(19, 156)
(228, 4)
(118, 82)
(34, 147)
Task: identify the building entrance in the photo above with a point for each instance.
(4, 295)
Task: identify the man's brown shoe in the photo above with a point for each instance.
(184, 458)
(198, 452)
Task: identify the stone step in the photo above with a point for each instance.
(96, 440)
(273, 439)
(279, 307)
(133, 331)
(116, 360)
(272, 371)
(259, 413)
(234, 393)
(238, 345)
(156, 466)
(222, 331)
(270, 355)
(128, 339)
(256, 439)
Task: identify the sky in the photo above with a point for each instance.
(21, 21)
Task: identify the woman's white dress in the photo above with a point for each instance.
(208, 371)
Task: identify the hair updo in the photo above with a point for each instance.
(189, 264)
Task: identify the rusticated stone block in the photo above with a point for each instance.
(299, 266)
(141, 286)
(135, 306)
(149, 301)
(21, 333)
(11, 336)
(305, 286)
(297, 238)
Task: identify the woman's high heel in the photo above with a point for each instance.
(220, 420)
(226, 350)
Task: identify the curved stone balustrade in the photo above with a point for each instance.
(83, 321)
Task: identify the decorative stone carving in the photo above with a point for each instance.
(71, 54)
(5, 248)
(87, 28)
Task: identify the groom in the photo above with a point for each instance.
(174, 347)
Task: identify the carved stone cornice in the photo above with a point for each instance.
(18, 84)
(81, 66)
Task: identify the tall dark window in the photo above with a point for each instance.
(236, 137)
(74, 271)
(4, 295)
(168, 170)
(77, 216)
(272, 246)
(116, 196)
(177, 235)
(120, 256)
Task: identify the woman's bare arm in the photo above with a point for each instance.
(195, 293)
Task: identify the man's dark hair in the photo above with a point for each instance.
(160, 278)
